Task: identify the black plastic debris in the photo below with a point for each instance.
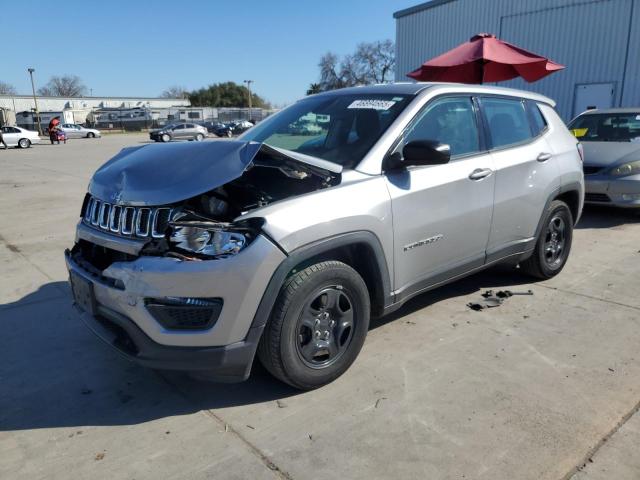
(492, 299)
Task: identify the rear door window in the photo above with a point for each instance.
(507, 120)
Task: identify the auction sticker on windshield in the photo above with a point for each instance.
(372, 104)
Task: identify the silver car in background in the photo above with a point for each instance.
(72, 130)
(179, 131)
(19, 137)
(282, 245)
(611, 142)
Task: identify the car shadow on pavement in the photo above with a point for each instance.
(594, 216)
(55, 373)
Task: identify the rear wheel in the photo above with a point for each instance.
(24, 143)
(317, 327)
(166, 138)
(554, 243)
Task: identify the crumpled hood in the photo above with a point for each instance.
(162, 174)
(605, 154)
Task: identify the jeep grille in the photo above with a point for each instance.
(123, 220)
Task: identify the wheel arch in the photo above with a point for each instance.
(572, 199)
(361, 250)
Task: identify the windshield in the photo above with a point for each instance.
(338, 128)
(603, 127)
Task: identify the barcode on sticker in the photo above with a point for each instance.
(372, 104)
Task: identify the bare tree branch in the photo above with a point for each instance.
(64, 86)
(175, 91)
(7, 89)
(371, 63)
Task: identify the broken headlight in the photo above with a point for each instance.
(207, 241)
(194, 233)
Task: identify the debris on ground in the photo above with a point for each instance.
(378, 401)
(281, 404)
(251, 427)
(492, 299)
(99, 456)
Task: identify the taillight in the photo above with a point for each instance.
(581, 152)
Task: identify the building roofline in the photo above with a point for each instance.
(420, 7)
(4, 95)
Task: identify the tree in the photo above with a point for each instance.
(64, 86)
(175, 91)
(314, 88)
(371, 63)
(227, 94)
(7, 89)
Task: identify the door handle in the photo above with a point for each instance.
(543, 157)
(480, 173)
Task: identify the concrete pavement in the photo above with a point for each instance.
(529, 390)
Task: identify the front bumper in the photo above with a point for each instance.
(122, 318)
(613, 191)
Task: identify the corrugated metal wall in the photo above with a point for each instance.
(595, 39)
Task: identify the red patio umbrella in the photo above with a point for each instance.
(484, 58)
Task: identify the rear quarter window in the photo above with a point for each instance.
(538, 122)
(508, 121)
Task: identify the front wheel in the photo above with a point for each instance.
(166, 138)
(317, 327)
(91, 135)
(554, 242)
(24, 143)
(199, 137)
(229, 133)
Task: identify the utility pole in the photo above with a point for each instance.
(249, 82)
(35, 100)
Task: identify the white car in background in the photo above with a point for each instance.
(19, 137)
(72, 130)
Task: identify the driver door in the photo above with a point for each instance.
(442, 213)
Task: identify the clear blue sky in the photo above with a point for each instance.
(139, 48)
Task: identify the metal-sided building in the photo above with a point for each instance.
(597, 40)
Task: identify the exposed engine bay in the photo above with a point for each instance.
(206, 226)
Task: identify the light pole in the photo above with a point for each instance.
(249, 82)
(35, 100)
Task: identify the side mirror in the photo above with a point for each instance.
(420, 153)
(426, 152)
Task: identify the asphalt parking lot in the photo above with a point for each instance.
(543, 387)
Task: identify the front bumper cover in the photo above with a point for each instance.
(613, 191)
(226, 349)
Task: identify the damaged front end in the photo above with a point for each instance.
(187, 200)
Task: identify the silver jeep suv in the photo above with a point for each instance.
(197, 256)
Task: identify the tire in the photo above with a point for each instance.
(317, 327)
(199, 137)
(554, 243)
(91, 135)
(166, 138)
(229, 134)
(24, 143)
